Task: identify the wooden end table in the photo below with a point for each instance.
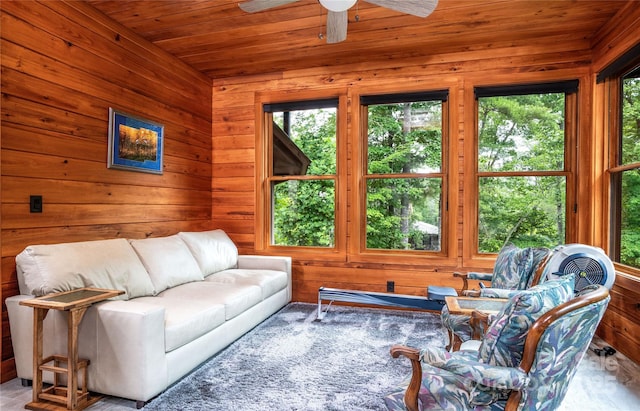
(467, 305)
(59, 397)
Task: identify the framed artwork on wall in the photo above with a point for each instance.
(135, 144)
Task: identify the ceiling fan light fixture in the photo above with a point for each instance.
(338, 5)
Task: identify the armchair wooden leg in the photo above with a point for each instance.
(454, 342)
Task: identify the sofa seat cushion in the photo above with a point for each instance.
(269, 281)
(186, 319)
(111, 264)
(194, 309)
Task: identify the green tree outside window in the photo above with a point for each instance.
(521, 145)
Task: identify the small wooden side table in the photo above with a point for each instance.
(466, 305)
(59, 397)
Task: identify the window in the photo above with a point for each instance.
(625, 174)
(302, 177)
(404, 177)
(523, 167)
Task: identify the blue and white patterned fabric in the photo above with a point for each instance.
(503, 341)
(482, 380)
(513, 271)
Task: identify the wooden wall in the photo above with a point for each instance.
(63, 65)
(548, 59)
(621, 323)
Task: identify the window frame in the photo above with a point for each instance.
(264, 175)
(613, 80)
(349, 194)
(471, 253)
(358, 216)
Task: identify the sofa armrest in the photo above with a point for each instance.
(21, 326)
(130, 359)
(265, 262)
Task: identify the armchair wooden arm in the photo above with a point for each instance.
(471, 293)
(413, 354)
(465, 280)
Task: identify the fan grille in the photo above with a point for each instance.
(588, 270)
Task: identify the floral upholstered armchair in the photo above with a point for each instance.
(526, 359)
(515, 269)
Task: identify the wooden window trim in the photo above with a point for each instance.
(471, 256)
(263, 179)
(613, 139)
(357, 245)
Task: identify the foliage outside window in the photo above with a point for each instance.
(522, 175)
(404, 173)
(303, 175)
(626, 175)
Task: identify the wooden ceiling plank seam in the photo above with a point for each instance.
(220, 40)
(137, 44)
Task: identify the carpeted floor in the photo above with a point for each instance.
(294, 362)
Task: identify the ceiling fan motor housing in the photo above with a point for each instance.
(337, 5)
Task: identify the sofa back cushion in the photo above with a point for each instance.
(110, 264)
(503, 342)
(168, 261)
(213, 250)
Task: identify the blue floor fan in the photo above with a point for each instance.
(590, 265)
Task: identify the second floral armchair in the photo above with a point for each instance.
(515, 269)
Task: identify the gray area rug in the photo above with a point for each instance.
(293, 362)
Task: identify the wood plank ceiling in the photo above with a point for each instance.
(220, 40)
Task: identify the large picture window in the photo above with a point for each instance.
(404, 181)
(522, 168)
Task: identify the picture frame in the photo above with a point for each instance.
(135, 144)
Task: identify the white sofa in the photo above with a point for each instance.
(187, 297)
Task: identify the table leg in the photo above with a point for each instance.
(75, 316)
(38, 318)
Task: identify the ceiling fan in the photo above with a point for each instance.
(337, 11)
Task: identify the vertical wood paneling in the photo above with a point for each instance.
(63, 65)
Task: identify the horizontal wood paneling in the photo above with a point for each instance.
(63, 65)
(540, 62)
(620, 326)
(559, 57)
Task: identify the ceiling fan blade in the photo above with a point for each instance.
(420, 8)
(337, 26)
(260, 5)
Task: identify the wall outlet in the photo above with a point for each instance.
(391, 286)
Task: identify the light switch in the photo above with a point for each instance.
(35, 204)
